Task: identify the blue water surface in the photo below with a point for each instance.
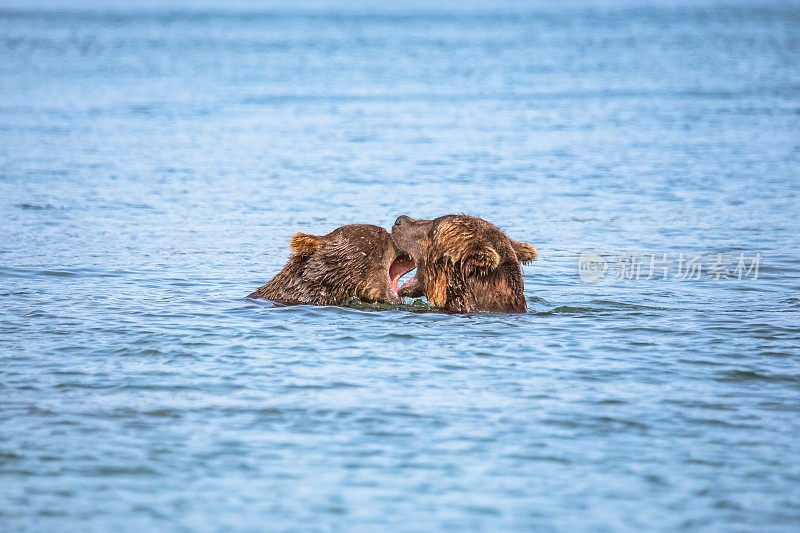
(155, 159)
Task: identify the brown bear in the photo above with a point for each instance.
(354, 261)
(464, 264)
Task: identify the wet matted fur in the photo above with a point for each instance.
(353, 261)
(464, 264)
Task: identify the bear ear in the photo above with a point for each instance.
(525, 252)
(461, 242)
(303, 243)
(482, 259)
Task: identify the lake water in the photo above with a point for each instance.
(154, 162)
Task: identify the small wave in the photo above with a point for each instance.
(10, 272)
(749, 375)
(334, 385)
(538, 300)
(539, 458)
(568, 309)
(163, 413)
(37, 207)
(611, 304)
(108, 471)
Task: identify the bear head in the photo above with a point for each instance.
(353, 261)
(464, 264)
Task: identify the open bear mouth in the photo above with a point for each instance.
(403, 264)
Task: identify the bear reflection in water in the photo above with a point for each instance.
(464, 264)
